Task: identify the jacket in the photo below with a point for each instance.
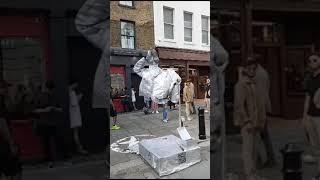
(188, 94)
(92, 21)
(246, 108)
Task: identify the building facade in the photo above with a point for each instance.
(39, 42)
(283, 33)
(132, 34)
(182, 39)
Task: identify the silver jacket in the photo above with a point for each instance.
(92, 21)
(157, 84)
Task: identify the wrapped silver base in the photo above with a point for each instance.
(168, 154)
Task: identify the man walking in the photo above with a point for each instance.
(188, 95)
(312, 104)
(248, 116)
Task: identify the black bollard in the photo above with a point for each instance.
(292, 162)
(202, 126)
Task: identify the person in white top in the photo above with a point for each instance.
(133, 98)
(75, 115)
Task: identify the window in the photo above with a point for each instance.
(205, 29)
(126, 3)
(187, 26)
(168, 23)
(127, 35)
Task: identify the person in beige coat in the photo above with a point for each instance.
(248, 115)
(188, 96)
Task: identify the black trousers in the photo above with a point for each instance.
(54, 142)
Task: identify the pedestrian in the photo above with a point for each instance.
(125, 94)
(263, 89)
(188, 95)
(207, 95)
(312, 102)
(75, 115)
(247, 116)
(155, 107)
(165, 117)
(133, 98)
(194, 96)
(47, 124)
(113, 114)
(10, 164)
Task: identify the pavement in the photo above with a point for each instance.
(281, 132)
(132, 166)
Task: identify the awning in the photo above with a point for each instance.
(183, 54)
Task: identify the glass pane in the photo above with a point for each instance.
(127, 42)
(168, 31)
(188, 34)
(188, 24)
(22, 61)
(168, 15)
(127, 29)
(188, 17)
(205, 37)
(205, 23)
(126, 3)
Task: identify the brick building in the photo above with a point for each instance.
(132, 34)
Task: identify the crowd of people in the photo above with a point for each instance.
(128, 101)
(39, 105)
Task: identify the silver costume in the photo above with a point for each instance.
(157, 83)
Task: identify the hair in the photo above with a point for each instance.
(314, 53)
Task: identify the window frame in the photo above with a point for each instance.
(192, 20)
(134, 31)
(173, 23)
(208, 30)
(124, 5)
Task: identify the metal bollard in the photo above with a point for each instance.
(292, 162)
(202, 126)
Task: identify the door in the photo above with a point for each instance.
(294, 72)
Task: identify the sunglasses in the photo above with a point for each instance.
(312, 60)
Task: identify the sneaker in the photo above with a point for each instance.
(157, 112)
(189, 119)
(165, 120)
(50, 164)
(152, 112)
(206, 111)
(115, 127)
(307, 158)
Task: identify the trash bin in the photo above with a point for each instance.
(202, 126)
(292, 162)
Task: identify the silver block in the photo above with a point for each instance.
(167, 154)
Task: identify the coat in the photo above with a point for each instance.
(92, 21)
(246, 107)
(188, 94)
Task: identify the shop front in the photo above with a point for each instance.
(24, 61)
(190, 64)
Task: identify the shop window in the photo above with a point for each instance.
(187, 26)
(205, 29)
(127, 35)
(168, 23)
(23, 66)
(117, 80)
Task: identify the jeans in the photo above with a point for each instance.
(165, 113)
